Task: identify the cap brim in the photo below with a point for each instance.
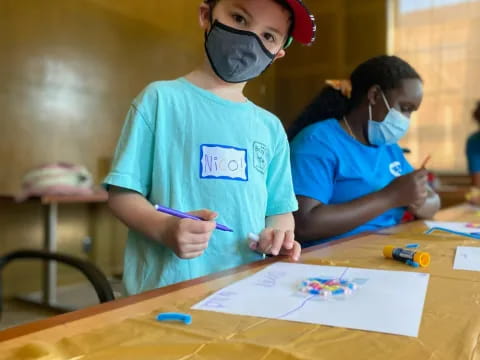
(304, 26)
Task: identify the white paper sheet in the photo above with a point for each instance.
(461, 227)
(467, 258)
(386, 301)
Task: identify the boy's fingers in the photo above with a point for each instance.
(277, 243)
(289, 241)
(190, 254)
(265, 243)
(194, 255)
(266, 235)
(296, 251)
(210, 216)
(198, 227)
(204, 214)
(194, 240)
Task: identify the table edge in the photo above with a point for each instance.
(36, 326)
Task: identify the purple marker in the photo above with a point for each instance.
(183, 215)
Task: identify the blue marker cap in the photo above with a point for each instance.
(185, 318)
(412, 263)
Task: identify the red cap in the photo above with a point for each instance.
(304, 27)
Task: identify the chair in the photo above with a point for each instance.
(91, 272)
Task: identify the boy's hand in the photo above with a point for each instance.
(278, 242)
(189, 238)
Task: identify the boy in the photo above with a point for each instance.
(197, 142)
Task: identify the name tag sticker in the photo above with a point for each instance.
(223, 162)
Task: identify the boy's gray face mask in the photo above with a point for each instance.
(236, 56)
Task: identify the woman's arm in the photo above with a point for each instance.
(315, 220)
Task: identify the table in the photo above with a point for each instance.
(126, 329)
(51, 203)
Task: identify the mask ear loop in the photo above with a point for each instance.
(289, 42)
(210, 18)
(386, 102)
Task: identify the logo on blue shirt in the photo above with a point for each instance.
(396, 168)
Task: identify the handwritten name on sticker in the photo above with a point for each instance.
(223, 162)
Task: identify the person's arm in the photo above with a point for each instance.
(278, 237)
(316, 220)
(187, 238)
(136, 212)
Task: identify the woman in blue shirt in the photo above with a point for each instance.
(349, 173)
(473, 150)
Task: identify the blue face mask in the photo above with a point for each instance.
(390, 130)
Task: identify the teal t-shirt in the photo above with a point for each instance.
(186, 148)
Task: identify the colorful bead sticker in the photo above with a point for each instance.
(327, 287)
(473, 226)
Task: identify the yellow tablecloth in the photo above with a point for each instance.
(450, 326)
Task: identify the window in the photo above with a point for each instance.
(441, 39)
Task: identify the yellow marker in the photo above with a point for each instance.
(407, 256)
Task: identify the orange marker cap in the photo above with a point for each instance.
(422, 258)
